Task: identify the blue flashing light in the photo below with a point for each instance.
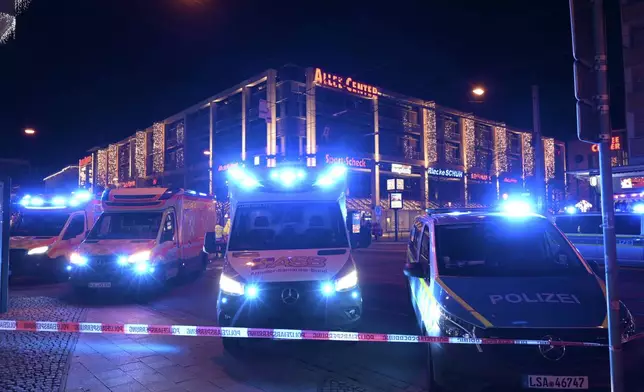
(331, 176)
(354, 295)
(252, 291)
(59, 201)
(82, 195)
(36, 201)
(143, 268)
(243, 178)
(25, 201)
(224, 300)
(74, 203)
(517, 207)
(68, 268)
(122, 260)
(328, 288)
(638, 208)
(571, 210)
(288, 176)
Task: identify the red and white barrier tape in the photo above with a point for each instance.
(261, 333)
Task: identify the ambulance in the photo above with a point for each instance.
(144, 237)
(288, 262)
(46, 229)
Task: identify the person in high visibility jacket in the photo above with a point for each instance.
(227, 229)
(219, 232)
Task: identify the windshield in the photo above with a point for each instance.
(299, 225)
(126, 225)
(39, 224)
(505, 247)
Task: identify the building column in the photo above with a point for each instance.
(271, 125)
(244, 121)
(311, 143)
(375, 178)
(211, 131)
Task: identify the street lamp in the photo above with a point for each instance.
(30, 131)
(478, 91)
(206, 152)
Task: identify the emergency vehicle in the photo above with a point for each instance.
(46, 229)
(508, 275)
(288, 261)
(144, 237)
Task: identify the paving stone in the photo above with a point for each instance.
(36, 361)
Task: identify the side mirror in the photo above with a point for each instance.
(210, 242)
(414, 270)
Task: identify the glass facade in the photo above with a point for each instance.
(445, 157)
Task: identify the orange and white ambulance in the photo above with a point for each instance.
(144, 237)
(46, 229)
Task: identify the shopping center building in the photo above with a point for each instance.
(312, 116)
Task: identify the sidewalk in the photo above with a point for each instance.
(36, 361)
(153, 363)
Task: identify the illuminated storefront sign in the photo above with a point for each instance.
(128, 184)
(445, 172)
(632, 182)
(615, 144)
(85, 161)
(351, 162)
(480, 177)
(510, 180)
(227, 166)
(342, 83)
(400, 169)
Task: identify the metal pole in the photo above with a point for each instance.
(5, 221)
(608, 209)
(396, 225)
(539, 165)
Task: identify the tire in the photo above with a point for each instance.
(432, 386)
(232, 346)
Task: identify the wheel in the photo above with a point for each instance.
(231, 345)
(432, 386)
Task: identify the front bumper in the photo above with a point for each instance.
(114, 276)
(291, 305)
(23, 265)
(465, 368)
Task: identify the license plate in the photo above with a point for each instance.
(100, 285)
(557, 382)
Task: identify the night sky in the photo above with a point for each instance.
(86, 73)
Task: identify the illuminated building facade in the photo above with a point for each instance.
(311, 116)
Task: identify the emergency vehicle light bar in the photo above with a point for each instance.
(455, 210)
(56, 202)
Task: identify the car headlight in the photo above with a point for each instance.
(139, 257)
(454, 327)
(230, 285)
(77, 259)
(347, 281)
(627, 322)
(38, 251)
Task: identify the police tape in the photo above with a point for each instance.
(274, 334)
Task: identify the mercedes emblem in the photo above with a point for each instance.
(552, 352)
(290, 296)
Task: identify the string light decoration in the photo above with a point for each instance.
(470, 142)
(141, 152)
(430, 140)
(181, 134)
(158, 147)
(528, 155)
(8, 22)
(101, 164)
(549, 157)
(500, 150)
(113, 164)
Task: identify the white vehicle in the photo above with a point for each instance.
(145, 236)
(288, 261)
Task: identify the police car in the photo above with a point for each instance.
(288, 261)
(508, 275)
